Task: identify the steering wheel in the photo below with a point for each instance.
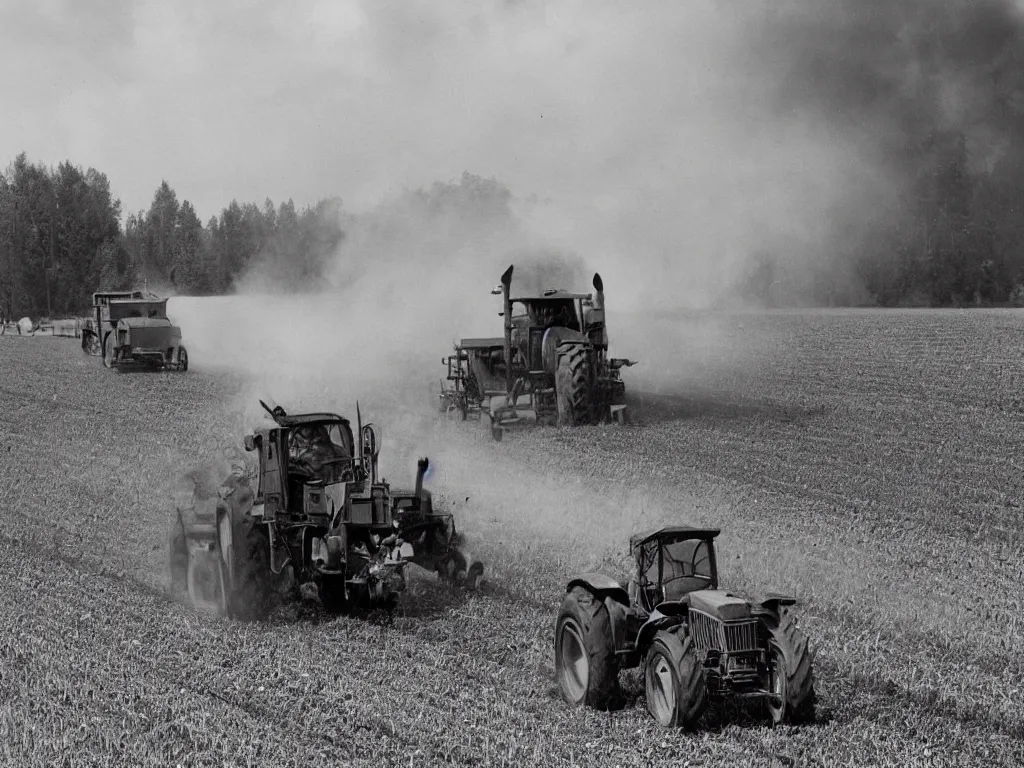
(335, 462)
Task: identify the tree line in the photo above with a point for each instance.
(61, 239)
(958, 240)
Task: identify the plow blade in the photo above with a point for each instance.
(460, 568)
(207, 576)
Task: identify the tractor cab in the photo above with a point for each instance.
(554, 308)
(672, 562)
(310, 467)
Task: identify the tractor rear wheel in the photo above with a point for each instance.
(791, 676)
(674, 681)
(182, 359)
(585, 663)
(572, 387)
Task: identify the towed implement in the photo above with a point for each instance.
(132, 328)
(314, 504)
(694, 641)
(550, 367)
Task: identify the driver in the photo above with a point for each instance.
(310, 447)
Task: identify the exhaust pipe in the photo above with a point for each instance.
(506, 283)
(599, 296)
(421, 470)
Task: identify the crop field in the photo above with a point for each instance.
(868, 462)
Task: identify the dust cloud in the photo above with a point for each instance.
(644, 146)
(664, 149)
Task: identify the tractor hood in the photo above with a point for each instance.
(720, 604)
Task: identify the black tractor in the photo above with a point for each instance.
(693, 640)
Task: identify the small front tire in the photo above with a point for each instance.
(674, 682)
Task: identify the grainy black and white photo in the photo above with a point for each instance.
(509, 382)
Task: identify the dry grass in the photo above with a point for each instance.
(867, 461)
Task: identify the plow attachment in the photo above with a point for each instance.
(202, 560)
(459, 567)
(436, 547)
(207, 578)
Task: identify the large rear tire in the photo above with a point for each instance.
(791, 675)
(585, 663)
(572, 387)
(674, 682)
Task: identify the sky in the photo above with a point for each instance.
(359, 99)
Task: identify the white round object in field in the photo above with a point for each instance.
(25, 324)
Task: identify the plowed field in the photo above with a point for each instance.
(868, 462)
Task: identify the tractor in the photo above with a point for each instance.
(318, 506)
(551, 366)
(132, 328)
(694, 641)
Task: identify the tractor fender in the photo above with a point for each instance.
(552, 343)
(615, 598)
(664, 616)
(599, 583)
(767, 607)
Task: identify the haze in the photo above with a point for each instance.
(650, 132)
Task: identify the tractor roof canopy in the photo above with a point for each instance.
(552, 295)
(310, 419)
(106, 297)
(124, 308)
(670, 533)
(489, 343)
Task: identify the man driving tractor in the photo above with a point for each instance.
(311, 447)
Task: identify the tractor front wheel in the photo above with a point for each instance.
(791, 673)
(108, 351)
(182, 359)
(674, 681)
(572, 387)
(585, 663)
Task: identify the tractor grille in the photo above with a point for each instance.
(709, 632)
(741, 636)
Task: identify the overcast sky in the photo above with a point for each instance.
(316, 97)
